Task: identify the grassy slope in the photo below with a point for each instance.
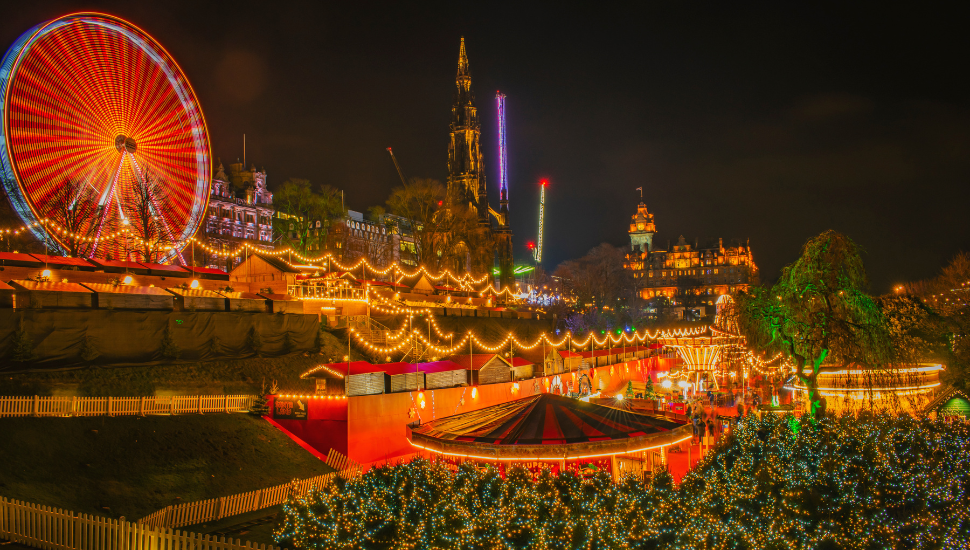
(134, 466)
(242, 376)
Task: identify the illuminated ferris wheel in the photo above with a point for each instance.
(97, 115)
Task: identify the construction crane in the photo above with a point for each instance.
(398, 166)
(542, 215)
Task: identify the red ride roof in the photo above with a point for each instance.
(544, 419)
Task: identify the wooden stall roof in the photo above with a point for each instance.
(566, 353)
(18, 259)
(5, 286)
(105, 288)
(278, 297)
(242, 295)
(48, 286)
(195, 292)
(61, 261)
(519, 362)
(119, 265)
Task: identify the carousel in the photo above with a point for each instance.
(548, 430)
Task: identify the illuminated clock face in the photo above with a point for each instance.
(640, 226)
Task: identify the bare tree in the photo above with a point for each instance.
(150, 216)
(446, 233)
(74, 207)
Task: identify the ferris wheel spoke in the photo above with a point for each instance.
(94, 99)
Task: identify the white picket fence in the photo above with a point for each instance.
(55, 529)
(44, 405)
(214, 509)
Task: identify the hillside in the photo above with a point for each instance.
(241, 376)
(130, 466)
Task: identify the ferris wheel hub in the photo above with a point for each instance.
(124, 143)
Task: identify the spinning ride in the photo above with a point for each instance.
(93, 100)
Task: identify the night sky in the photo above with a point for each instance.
(762, 122)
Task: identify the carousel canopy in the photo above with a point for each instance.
(546, 426)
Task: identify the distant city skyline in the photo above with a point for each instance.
(763, 123)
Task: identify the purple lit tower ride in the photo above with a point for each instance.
(504, 232)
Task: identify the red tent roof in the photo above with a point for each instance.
(61, 260)
(544, 419)
(440, 366)
(208, 271)
(164, 268)
(26, 259)
(397, 368)
(566, 353)
(131, 266)
(356, 367)
(372, 282)
(519, 362)
(473, 362)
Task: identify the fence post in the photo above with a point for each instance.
(200, 404)
(141, 407)
(73, 405)
(227, 404)
(109, 405)
(171, 405)
(36, 409)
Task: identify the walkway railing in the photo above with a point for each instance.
(53, 528)
(63, 406)
(214, 509)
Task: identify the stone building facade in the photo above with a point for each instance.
(240, 211)
(382, 243)
(691, 273)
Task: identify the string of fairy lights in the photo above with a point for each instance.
(465, 281)
(399, 343)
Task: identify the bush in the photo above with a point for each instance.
(876, 482)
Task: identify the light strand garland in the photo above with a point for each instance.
(465, 281)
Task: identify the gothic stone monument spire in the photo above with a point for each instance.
(466, 177)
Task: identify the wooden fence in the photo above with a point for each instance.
(43, 405)
(55, 529)
(214, 509)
